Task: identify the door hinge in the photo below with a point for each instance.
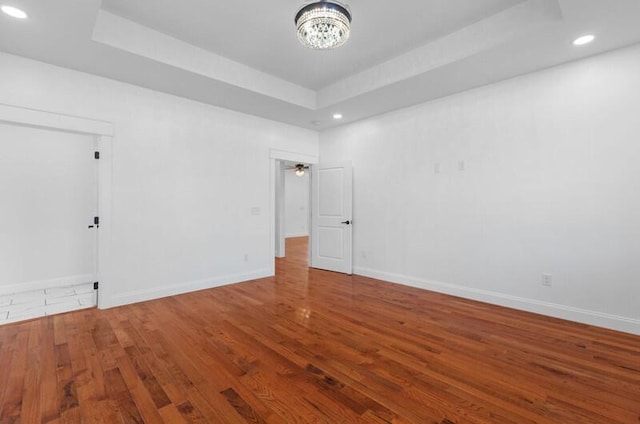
(96, 155)
(95, 285)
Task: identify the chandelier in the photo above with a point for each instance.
(323, 24)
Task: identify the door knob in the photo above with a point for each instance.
(346, 222)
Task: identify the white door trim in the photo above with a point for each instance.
(103, 135)
(51, 120)
(279, 232)
(274, 156)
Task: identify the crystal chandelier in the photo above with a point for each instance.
(323, 24)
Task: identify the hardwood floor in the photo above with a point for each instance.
(315, 347)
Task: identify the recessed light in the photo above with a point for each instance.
(585, 39)
(14, 12)
(337, 116)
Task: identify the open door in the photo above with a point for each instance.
(331, 217)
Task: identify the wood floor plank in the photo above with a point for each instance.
(243, 408)
(309, 346)
(31, 410)
(123, 404)
(50, 405)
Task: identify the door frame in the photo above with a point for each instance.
(102, 135)
(275, 156)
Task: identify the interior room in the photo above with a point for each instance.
(319, 212)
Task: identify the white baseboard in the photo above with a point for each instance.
(71, 280)
(293, 235)
(614, 322)
(136, 296)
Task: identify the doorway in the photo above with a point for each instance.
(54, 189)
(293, 204)
(48, 242)
(280, 160)
(297, 212)
(331, 222)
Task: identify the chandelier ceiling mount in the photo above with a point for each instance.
(323, 24)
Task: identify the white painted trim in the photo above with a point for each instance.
(614, 322)
(294, 235)
(105, 165)
(46, 284)
(136, 296)
(279, 241)
(292, 156)
(41, 119)
(41, 313)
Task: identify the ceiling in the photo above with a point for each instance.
(265, 24)
(243, 55)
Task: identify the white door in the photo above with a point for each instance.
(48, 199)
(331, 217)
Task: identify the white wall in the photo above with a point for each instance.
(296, 204)
(186, 179)
(550, 185)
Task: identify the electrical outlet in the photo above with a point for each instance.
(436, 168)
(462, 166)
(546, 280)
(246, 257)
